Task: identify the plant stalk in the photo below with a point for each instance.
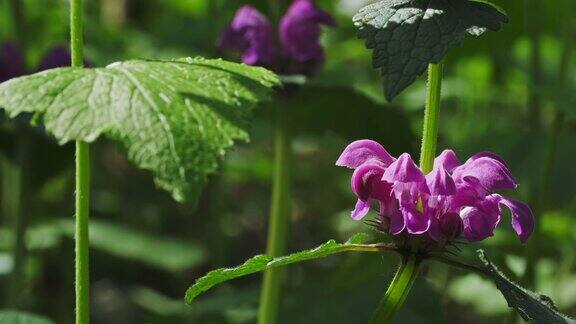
(279, 217)
(431, 114)
(398, 290)
(82, 265)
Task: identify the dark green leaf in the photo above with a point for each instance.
(531, 306)
(407, 35)
(351, 115)
(20, 317)
(175, 118)
(263, 262)
(159, 252)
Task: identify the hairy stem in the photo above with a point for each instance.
(279, 218)
(431, 114)
(82, 183)
(398, 290)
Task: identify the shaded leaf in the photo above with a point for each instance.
(159, 252)
(531, 306)
(351, 115)
(20, 317)
(175, 118)
(263, 262)
(407, 35)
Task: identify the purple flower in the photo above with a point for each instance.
(454, 199)
(57, 57)
(11, 62)
(300, 33)
(297, 50)
(252, 34)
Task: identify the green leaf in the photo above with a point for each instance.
(531, 306)
(159, 252)
(175, 118)
(263, 262)
(19, 317)
(407, 35)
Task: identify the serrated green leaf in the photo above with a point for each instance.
(263, 262)
(20, 317)
(407, 35)
(175, 118)
(531, 306)
(159, 252)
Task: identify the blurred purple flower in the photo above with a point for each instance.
(300, 32)
(252, 34)
(57, 57)
(298, 49)
(11, 62)
(454, 199)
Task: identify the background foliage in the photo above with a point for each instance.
(147, 249)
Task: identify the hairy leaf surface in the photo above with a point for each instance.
(407, 35)
(531, 306)
(175, 118)
(263, 262)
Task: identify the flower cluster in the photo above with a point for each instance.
(298, 49)
(454, 199)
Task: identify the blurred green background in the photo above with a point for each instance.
(511, 92)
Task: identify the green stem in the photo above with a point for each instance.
(398, 290)
(534, 100)
(279, 218)
(431, 114)
(82, 182)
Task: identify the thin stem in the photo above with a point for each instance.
(82, 182)
(279, 218)
(534, 22)
(398, 290)
(430, 133)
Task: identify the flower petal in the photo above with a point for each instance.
(522, 218)
(490, 171)
(397, 223)
(362, 208)
(361, 151)
(448, 160)
(440, 182)
(416, 222)
(300, 32)
(404, 170)
(481, 221)
(251, 33)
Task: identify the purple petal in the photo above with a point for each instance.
(252, 34)
(480, 221)
(491, 173)
(448, 160)
(367, 183)
(300, 32)
(416, 222)
(397, 223)
(361, 151)
(522, 218)
(403, 170)
(440, 182)
(362, 208)
(11, 62)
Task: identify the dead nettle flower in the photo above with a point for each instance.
(297, 50)
(454, 199)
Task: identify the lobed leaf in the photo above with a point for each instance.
(263, 262)
(175, 118)
(531, 306)
(407, 35)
